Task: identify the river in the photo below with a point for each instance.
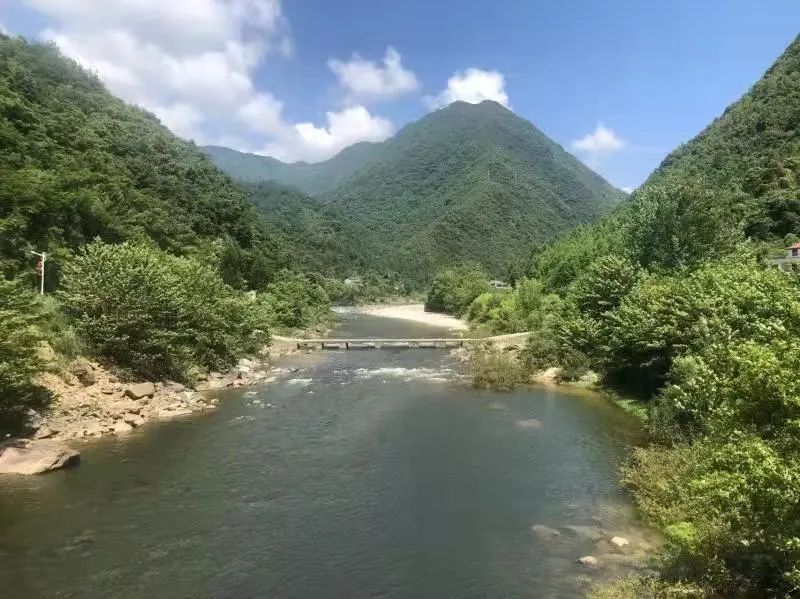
(374, 473)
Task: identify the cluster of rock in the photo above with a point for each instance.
(609, 547)
(92, 402)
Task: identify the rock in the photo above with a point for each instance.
(588, 560)
(93, 429)
(215, 375)
(44, 432)
(545, 532)
(141, 390)
(251, 394)
(246, 362)
(84, 372)
(106, 390)
(121, 427)
(118, 408)
(213, 401)
(174, 413)
(620, 542)
(33, 420)
(175, 387)
(592, 533)
(133, 419)
(35, 457)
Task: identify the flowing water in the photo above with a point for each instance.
(363, 474)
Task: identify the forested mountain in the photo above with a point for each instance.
(78, 163)
(467, 182)
(753, 148)
(314, 179)
(325, 241)
(470, 182)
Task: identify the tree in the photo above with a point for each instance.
(19, 341)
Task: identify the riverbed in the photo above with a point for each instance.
(372, 473)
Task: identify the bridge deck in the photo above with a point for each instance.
(404, 343)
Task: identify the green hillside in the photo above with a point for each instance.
(324, 241)
(467, 182)
(753, 148)
(78, 163)
(314, 179)
(470, 182)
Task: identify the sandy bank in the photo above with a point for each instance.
(415, 312)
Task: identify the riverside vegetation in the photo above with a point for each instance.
(670, 300)
(160, 266)
(151, 249)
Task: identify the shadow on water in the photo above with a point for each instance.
(363, 474)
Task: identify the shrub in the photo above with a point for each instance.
(679, 224)
(19, 341)
(664, 317)
(296, 301)
(494, 369)
(730, 510)
(157, 315)
(454, 289)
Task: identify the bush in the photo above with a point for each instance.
(664, 317)
(730, 510)
(679, 224)
(743, 386)
(494, 369)
(454, 289)
(19, 341)
(296, 301)
(156, 315)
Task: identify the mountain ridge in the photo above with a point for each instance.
(462, 174)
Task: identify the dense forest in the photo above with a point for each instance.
(150, 247)
(467, 182)
(670, 300)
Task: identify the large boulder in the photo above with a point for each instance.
(84, 372)
(35, 457)
(141, 390)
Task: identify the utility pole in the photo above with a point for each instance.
(40, 269)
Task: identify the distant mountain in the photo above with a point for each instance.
(325, 241)
(315, 179)
(469, 182)
(753, 149)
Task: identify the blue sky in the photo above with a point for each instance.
(302, 79)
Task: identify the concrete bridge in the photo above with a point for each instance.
(402, 343)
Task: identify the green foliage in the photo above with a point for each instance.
(752, 148)
(296, 301)
(20, 313)
(370, 288)
(664, 317)
(78, 163)
(677, 224)
(467, 182)
(157, 315)
(494, 369)
(525, 308)
(729, 508)
(454, 289)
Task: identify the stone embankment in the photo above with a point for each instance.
(91, 402)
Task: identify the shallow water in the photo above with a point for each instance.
(364, 474)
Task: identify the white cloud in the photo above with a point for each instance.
(600, 142)
(306, 141)
(473, 86)
(193, 64)
(3, 29)
(627, 189)
(365, 80)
